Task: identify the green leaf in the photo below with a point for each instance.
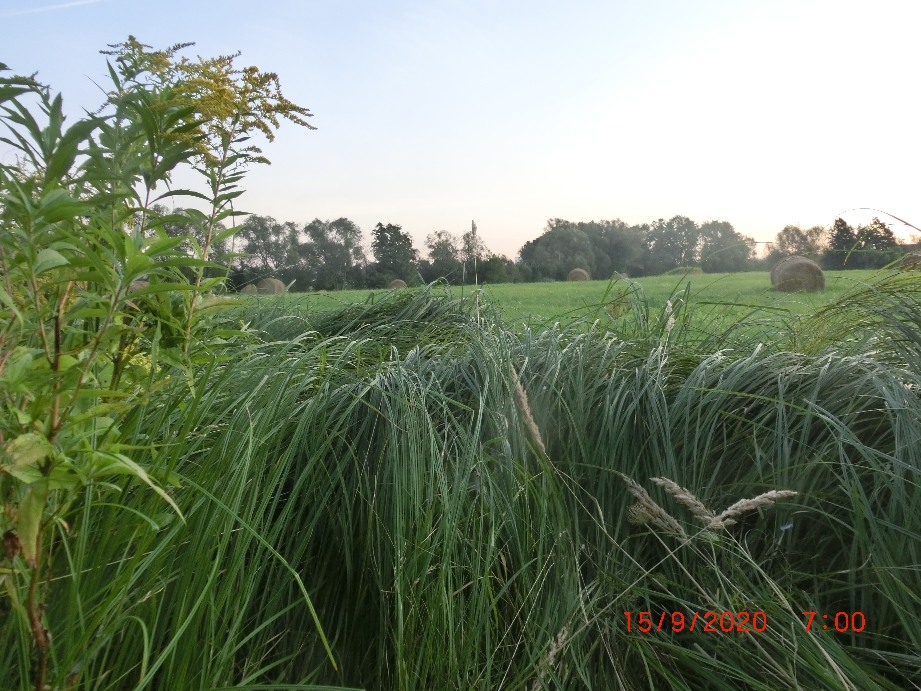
(8, 301)
(26, 474)
(153, 289)
(29, 518)
(103, 393)
(123, 465)
(185, 193)
(29, 449)
(16, 367)
(224, 234)
(48, 259)
(59, 206)
(88, 313)
(66, 362)
(163, 246)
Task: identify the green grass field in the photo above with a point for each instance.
(539, 304)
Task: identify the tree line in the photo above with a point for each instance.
(604, 248)
(334, 254)
(871, 246)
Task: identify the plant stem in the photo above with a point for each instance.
(215, 208)
(35, 619)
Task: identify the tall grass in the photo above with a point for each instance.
(381, 453)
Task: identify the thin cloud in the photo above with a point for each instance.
(49, 8)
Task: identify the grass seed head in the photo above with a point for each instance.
(556, 646)
(647, 511)
(727, 518)
(684, 497)
(521, 398)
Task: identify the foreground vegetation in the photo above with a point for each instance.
(448, 538)
(203, 492)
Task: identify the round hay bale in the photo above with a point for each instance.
(797, 273)
(578, 275)
(270, 286)
(911, 262)
(249, 289)
(397, 283)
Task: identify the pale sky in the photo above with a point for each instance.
(433, 114)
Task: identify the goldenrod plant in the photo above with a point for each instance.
(95, 307)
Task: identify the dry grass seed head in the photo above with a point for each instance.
(684, 497)
(726, 519)
(521, 398)
(647, 511)
(556, 646)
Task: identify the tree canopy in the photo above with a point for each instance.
(560, 249)
(723, 249)
(394, 254)
(866, 247)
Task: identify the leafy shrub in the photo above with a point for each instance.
(100, 311)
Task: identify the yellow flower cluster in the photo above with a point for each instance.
(142, 360)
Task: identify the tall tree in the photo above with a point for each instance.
(794, 240)
(267, 245)
(333, 254)
(472, 249)
(723, 249)
(443, 257)
(670, 244)
(394, 254)
(560, 249)
(872, 246)
(841, 241)
(615, 245)
(876, 236)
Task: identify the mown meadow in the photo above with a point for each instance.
(423, 490)
(728, 296)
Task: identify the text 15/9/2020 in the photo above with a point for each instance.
(711, 622)
(739, 622)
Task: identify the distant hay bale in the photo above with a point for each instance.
(578, 275)
(911, 262)
(797, 273)
(270, 286)
(397, 283)
(249, 289)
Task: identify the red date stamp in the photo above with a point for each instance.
(709, 622)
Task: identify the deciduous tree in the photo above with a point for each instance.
(723, 248)
(443, 257)
(332, 255)
(794, 240)
(394, 254)
(558, 251)
(670, 244)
